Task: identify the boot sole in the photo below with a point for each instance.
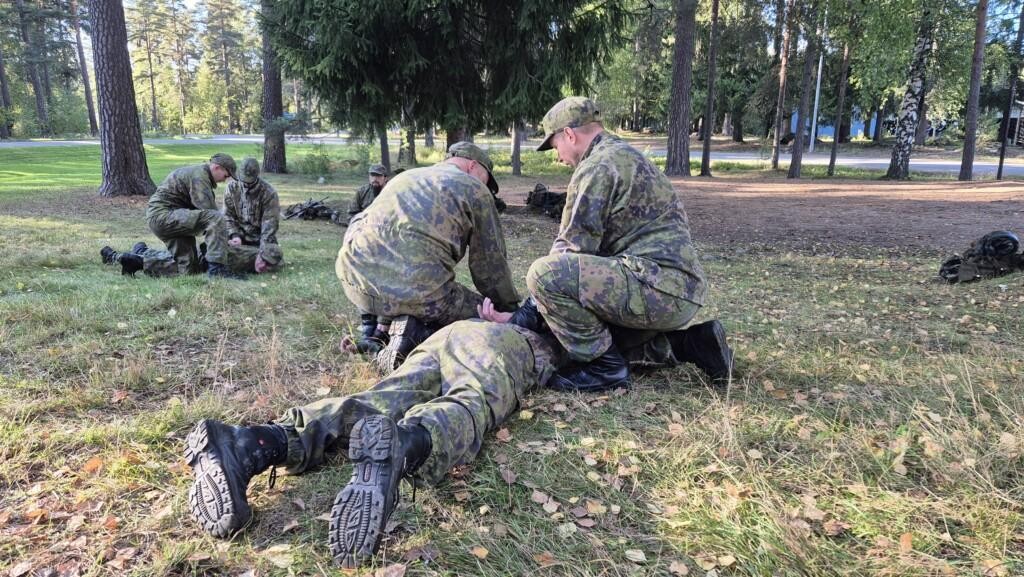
(719, 331)
(220, 512)
(360, 510)
(390, 358)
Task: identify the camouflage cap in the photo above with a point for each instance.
(271, 254)
(471, 151)
(250, 171)
(226, 162)
(571, 112)
(378, 170)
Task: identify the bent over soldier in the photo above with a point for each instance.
(397, 260)
(623, 261)
(184, 206)
(252, 213)
(428, 416)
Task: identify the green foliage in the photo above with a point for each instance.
(315, 162)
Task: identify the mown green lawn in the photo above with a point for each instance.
(874, 426)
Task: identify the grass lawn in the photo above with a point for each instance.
(875, 425)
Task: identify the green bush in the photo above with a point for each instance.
(316, 162)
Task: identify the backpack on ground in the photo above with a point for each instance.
(993, 255)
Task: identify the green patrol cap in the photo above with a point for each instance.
(271, 254)
(378, 170)
(471, 151)
(226, 162)
(250, 171)
(571, 112)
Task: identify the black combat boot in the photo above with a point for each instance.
(705, 346)
(407, 332)
(370, 340)
(528, 317)
(217, 270)
(607, 371)
(131, 263)
(223, 459)
(108, 255)
(382, 454)
(140, 247)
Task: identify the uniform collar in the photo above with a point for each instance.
(593, 144)
(209, 174)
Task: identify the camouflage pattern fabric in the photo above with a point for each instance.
(240, 259)
(643, 270)
(398, 257)
(252, 213)
(183, 207)
(365, 195)
(459, 384)
(580, 295)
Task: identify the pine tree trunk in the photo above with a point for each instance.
(780, 104)
(977, 65)
(677, 162)
(153, 117)
(844, 70)
(453, 135)
(233, 122)
(272, 108)
(428, 138)
(810, 57)
(518, 131)
(123, 157)
(906, 127)
(709, 107)
(877, 136)
(90, 106)
(385, 152)
(32, 70)
(737, 124)
(42, 54)
(1004, 130)
(5, 101)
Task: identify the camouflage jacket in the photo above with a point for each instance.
(189, 187)
(365, 195)
(252, 213)
(424, 222)
(619, 204)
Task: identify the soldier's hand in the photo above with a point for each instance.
(261, 265)
(235, 241)
(488, 312)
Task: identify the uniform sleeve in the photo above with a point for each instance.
(357, 203)
(201, 194)
(271, 216)
(586, 205)
(487, 257)
(231, 217)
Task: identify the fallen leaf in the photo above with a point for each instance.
(20, 569)
(544, 559)
(539, 497)
(994, 568)
(503, 435)
(299, 503)
(290, 526)
(426, 553)
(279, 555)
(906, 542)
(586, 522)
(835, 527)
(394, 570)
(479, 552)
(636, 556)
(579, 512)
(588, 442)
(37, 515)
(508, 475)
(499, 530)
(726, 561)
(596, 508)
(92, 465)
(706, 562)
(551, 506)
(462, 496)
(675, 429)
(755, 454)
(678, 568)
(110, 523)
(525, 415)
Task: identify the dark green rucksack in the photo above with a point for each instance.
(992, 255)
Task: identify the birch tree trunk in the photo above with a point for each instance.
(906, 126)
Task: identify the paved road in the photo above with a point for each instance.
(981, 169)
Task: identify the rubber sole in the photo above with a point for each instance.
(362, 508)
(391, 356)
(219, 510)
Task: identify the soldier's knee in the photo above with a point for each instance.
(548, 275)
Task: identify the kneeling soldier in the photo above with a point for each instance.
(252, 213)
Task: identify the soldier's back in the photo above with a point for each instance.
(173, 192)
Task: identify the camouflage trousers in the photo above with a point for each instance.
(178, 229)
(460, 383)
(452, 302)
(582, 296)
(240, 259)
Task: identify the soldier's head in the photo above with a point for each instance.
(222, 166)
(569, 127)
(250, 173)
(474, 161)
(378, 176)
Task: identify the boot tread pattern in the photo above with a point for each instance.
(209, 496)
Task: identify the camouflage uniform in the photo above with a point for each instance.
(398, 257)
(460, 383)
(252, 212)
(365, 195)
(240, 259)
(623, 256)
(184, 206)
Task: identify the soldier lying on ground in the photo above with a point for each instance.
(623, 259)
(397, 260)
(184, 206)
(241, 260)
(428, 416)
(252, 213)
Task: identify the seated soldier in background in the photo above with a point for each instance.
(252, 213)
(397, 260)
(425, 418)
(184, 206)
(367, 193)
